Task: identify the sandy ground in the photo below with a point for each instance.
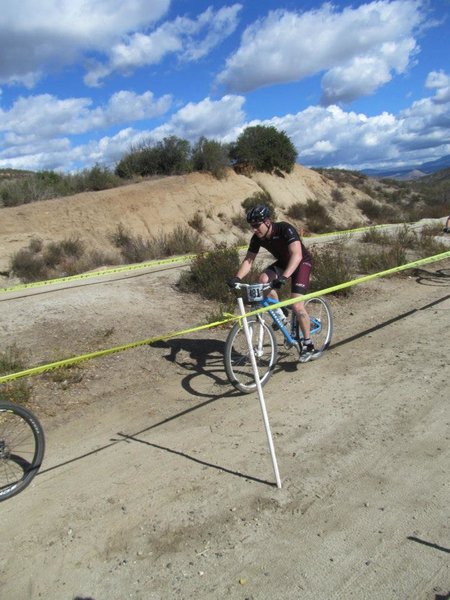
(157, 481)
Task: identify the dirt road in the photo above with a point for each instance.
(157, 482)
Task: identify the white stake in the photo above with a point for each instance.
(260, 394)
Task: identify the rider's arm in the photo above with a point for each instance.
(246, 265)
(295, 257)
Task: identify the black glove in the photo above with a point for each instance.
(232, 283)
(277, 283)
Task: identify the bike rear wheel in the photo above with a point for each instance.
(237, 359)
(22, 446)
(321, 321)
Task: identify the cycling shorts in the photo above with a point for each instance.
(300, 277)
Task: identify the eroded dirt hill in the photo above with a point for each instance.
(159, 205)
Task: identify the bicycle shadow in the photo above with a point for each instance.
(201, 357)
(440, 278)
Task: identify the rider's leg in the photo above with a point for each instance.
(299, 287)
(302, 316)
(269, 275)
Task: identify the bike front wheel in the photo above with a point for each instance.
(238, 365)
(22, 446)
(321, 321)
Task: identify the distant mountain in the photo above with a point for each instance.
(411, 172)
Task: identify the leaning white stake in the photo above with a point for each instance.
(260, 393)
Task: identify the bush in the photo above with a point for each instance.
(317, 217)
(174, 156)
(211, 156)
(297, 211)
(67, 257)
(197, 223)
(262, 197)
(28, 266)
(209, 273)
(142, 161)
(137, 249)
(332, 266)
(337, 196)
(370, 209)
(264, 148)
(171, 156)
(44, 185)
(372, 262)
(376, 236)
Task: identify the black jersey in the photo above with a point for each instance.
(283, 234)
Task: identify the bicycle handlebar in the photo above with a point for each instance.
(255, 291)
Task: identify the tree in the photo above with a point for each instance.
(174, 156)
(212, 156)
(264, 149)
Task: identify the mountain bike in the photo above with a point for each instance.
(237, 360)
(22, 446)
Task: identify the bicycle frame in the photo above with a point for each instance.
(263, 339)
(256, 298)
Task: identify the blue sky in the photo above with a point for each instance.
(354, 84)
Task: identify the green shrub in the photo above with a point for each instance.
(137, 249)
(264, 148)
(337, 195)
(370, 209)
(297, 211)
(211, 156)
(28, 265)
(317, 217)
(67, 257)
(260, 197)
(388, 258)
(209, 273)
(332, 266)
(376, 236)
(44, 185)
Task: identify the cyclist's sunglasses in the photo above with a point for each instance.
(256, 225)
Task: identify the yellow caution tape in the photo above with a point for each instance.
(341, 286)
(154, 263)
(67, 362)
(135, 267)
(77, 359)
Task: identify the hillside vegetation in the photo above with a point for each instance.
(173, 198)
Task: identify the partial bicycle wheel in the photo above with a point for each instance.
(22, 446)
(237, 359)
(321, 322)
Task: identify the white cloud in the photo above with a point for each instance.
(218, 119)
(189, 39)
(47, 116)
(329, 135)
(370, 41)
(37, 128)
(441, 82)
(57, 32)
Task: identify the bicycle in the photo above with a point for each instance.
(22, 446)
(238, 365)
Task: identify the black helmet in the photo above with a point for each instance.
(258, 214)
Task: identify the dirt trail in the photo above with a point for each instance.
(157, 482)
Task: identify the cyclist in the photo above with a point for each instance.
(293, 260)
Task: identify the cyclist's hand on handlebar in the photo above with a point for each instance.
(277, 283)
(233, 282)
